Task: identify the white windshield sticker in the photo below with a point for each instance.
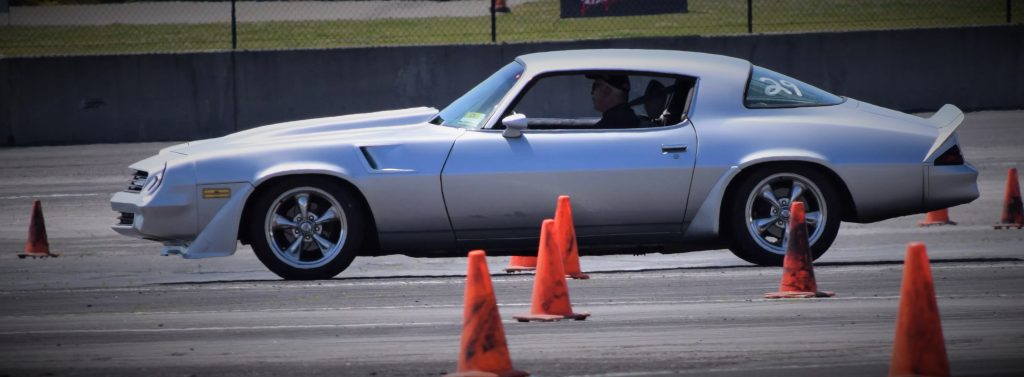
(776, 87)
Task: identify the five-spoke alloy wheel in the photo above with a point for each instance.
(760, 211)
(307, 229)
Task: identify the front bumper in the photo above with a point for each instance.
(177, 212)
(167, 217)
(183, 219)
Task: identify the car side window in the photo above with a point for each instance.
(603, 100)
(769, 89)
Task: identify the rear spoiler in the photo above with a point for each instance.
(947, 116)
(947, 119)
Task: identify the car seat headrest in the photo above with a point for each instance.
(655, 97)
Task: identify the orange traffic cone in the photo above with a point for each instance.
(1013, 208)
(797, 269)
(37, 244)
(919, 348)
(550, 290)
(567, 239)
(500, 6)
(937, 217)
(484, 351)
(519, 263)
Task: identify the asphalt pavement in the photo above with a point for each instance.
(110, 305)
(663, 323)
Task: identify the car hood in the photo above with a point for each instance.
(346, 127)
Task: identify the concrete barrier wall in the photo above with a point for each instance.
(102, 99)
(157, 97)
(6, 136)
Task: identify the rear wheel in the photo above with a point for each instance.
(759, 212)
(306, 228)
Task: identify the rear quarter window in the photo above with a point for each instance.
(770, 89)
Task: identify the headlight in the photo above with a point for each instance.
(154, 180)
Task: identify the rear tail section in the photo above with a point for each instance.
(950, 179)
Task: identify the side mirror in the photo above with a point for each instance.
(514, 125)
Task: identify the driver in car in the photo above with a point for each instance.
(610, 94)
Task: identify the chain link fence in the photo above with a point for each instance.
(61, 27)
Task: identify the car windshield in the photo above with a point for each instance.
(473, 108)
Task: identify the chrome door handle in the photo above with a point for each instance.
(674, 148)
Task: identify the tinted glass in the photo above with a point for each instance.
(584, 100)
(772, 89)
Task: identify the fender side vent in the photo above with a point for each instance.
(388, 159)
(369, 158)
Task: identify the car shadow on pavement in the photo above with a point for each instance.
(695, 268)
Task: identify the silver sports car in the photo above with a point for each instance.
(662, 151)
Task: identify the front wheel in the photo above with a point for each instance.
(306, 228)
(759, 212)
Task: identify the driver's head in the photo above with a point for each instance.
(608, 91)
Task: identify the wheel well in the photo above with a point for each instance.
(371, 244)
(849, 210)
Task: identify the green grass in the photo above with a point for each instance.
(535, 21)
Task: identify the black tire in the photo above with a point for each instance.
(764, 250)
(282, 199)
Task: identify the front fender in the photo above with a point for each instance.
(219, 236)
(301, 168)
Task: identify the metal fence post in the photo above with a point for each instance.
(750, 16)
(494, 23)
(234, 68)
(234, 27)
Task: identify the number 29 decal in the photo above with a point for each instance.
(776, 87)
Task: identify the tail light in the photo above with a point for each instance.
(951, 156)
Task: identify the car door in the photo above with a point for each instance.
(621, 181)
